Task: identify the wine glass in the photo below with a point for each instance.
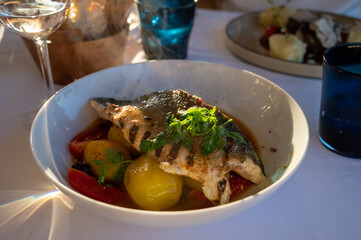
(35, 20)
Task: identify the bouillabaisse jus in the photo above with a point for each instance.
(168, 150)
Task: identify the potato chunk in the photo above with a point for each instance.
(192, 183)
(287, 47)
(149, 186)
(116, 134)
(267, 18)
(96, 150)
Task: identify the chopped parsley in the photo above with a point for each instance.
(114, 157)
(189, 123)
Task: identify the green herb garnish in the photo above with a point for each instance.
(277, 17)
(192, 122)
(114, 157)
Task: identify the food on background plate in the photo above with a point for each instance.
(355, 33)
(288, 47)
(267, 18)
(306, 31)
(168, 150)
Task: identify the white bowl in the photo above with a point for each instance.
(274, 118)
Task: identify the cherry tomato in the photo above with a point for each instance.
(195, 199)
(237, 184)
(198, 195)
(90, 187)
(272, 30)
(76, 146)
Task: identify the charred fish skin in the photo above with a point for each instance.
(155, 106)
(158, 105)
(246, 149)
(106, 101)
(145, 117)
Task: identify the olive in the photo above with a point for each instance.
(82, 166)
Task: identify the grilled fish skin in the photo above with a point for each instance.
(145, 117)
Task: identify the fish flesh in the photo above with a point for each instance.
(144, 118)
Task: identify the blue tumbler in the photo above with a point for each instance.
(166, 27)
(340, 113)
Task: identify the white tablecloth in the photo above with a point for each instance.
(322, 200)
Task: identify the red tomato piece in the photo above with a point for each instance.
(76, 146)
(197, 195)
(195, 199)
(272, 30)
(237, 184)
(90, 187)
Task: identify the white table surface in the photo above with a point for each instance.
(322, 200)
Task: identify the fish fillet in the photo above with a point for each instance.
(145, 117)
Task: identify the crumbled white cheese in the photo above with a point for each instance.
(287, 47)
(326, 31)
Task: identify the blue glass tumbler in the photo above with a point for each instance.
(166, 27)
(340, 113)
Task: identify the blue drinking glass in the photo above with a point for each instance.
(166, 27)
(340, 113)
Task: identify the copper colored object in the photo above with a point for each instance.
(93, 38)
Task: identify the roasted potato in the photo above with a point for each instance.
(96, 150)
(116, 134)
(277, 15)
(192, 183)
(149, 186)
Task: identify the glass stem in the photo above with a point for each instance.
(42, 48)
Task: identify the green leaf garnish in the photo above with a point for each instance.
(114, 157)
(153, 143)
(192, 122)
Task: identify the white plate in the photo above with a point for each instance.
(275, 119)
(243, 34)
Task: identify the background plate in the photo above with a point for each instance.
(243, 34)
